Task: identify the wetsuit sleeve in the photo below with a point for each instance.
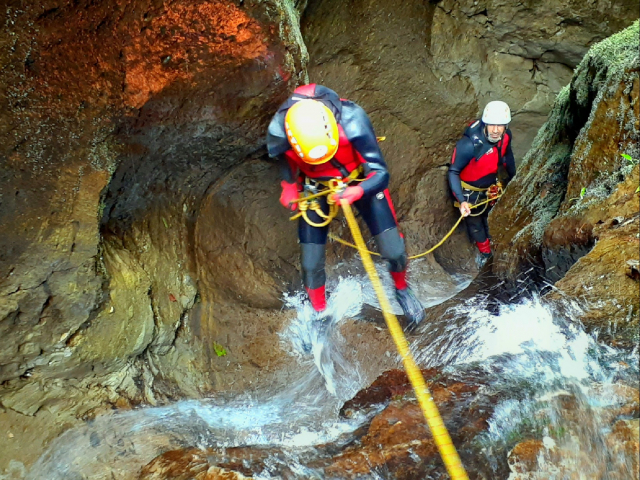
(359, 131)
(509, 160)
(462, 155)
(277, 142)
(277, 145)
(288, 171)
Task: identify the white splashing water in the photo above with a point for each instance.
(539, 346)
(319, 334)
(530, 340)
(531, 327)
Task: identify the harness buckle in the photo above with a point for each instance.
(312, 189)
(337, 185)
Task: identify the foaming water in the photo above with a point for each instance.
(319, 335)
(431, 285)
(557, 383)
(531, 354)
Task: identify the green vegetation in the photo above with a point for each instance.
(630, 160)
(557, 152)
(219, 349)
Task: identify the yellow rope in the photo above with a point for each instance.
(429, 409)
(444, 239)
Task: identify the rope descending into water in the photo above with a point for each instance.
(429, 409)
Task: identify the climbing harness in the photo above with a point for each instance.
(311, 192)
(427, 405)
(494, 192)
(309, 201)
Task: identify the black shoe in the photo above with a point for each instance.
(322, 322)
(482, 259)
(412, 308)
(320, 326)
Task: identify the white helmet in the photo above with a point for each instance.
(496, 113)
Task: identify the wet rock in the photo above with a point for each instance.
(236, 463)
(633, 269)
(624, 444)
(398, 441)
(116, 118)
(571, 433)
(524, 457)
(242, 228)
(572, 210)
(588, 435)
(186, 465)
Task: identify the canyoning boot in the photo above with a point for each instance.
(484, 252)
(318, 298)
(412, 308)
(322, 322)
(321, 319)
(318, 331)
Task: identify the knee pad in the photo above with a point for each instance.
(312, 263)
(391, 246)
(476, 229)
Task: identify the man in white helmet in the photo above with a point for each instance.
(473, 173)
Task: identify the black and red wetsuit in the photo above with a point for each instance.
(476, 161)
(357, 147)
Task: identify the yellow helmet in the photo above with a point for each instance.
(312, 131)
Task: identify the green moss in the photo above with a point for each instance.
(617, 52)
(545, 168)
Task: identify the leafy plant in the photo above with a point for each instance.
(630, 160)
(583, 192)
(219, 349)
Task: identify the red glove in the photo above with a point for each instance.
(288, 195)
(350, 194)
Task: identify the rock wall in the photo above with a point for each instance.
(115, 119)
(423, 70)
(573, 209)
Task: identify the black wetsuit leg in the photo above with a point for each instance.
(485, 221)
(477, 226)
(377, 211)
(312, 248)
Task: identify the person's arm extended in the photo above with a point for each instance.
(462, 155)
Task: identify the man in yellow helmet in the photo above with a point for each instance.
(317, 136)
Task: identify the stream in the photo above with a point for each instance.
(528, 354)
